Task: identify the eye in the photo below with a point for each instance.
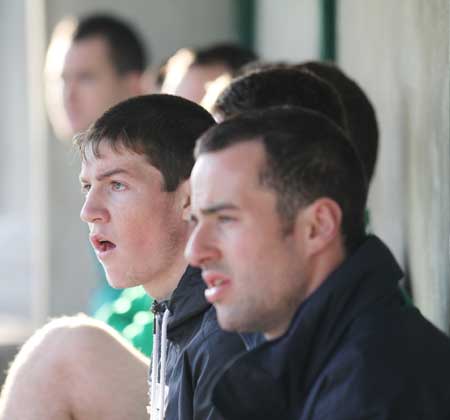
(225, 219)
(118, 186)
(193, 221)
(85, 188)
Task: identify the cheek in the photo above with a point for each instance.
(95, 95)
(258, 252)
(243, 249)
(147, 228)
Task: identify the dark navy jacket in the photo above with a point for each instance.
(353, 351)
(197, 350)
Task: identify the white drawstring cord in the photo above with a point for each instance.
(155, 368)
(163, 364)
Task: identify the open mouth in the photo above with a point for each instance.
(217, 286)
(101, 245)
(105, 246)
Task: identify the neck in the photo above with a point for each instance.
(277, 332)
(320, 267)
(162, 284)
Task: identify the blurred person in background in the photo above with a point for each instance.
(104, 65)
(361, 118)
(188, 71)
(279, 86)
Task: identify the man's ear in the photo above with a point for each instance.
(320, 225)
(184, 194)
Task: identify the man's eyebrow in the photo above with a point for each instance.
(108, 174)
(218, 207)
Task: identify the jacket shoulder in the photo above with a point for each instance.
(396, 369)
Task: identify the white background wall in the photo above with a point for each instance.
(15, 231)
(287, 29)
(399, 52)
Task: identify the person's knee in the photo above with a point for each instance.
(77, 342)
(65, 341)
(44, 361)
(77, 363)
(97, 362)
(81, 347)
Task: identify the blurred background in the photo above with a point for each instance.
(397, 51)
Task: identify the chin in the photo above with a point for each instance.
(235, 320)
(227, 323)
(116, 285)
(120, 281)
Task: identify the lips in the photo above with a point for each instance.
(102, 245)
(217, 286)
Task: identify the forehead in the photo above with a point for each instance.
(135, 164)
(88, 52)
(192, 85)
(228, 174)
(206, 72)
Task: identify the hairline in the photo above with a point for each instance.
(287, 206)
(108, 50)
(265, 177)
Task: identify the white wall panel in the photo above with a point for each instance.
(399, 52)
(288, 29)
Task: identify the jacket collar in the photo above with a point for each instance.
(188, 299)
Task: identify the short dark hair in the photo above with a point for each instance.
(280, 86)
(361, 117)
(230, 55)
(127, 51)
(261, 65)
(162, 127)
(307, 157)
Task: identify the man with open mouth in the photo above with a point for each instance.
(136, 162)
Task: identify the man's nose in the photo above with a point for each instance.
(201, 247)
(93, 210)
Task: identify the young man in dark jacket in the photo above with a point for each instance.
(278, 208)
(136, 162)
